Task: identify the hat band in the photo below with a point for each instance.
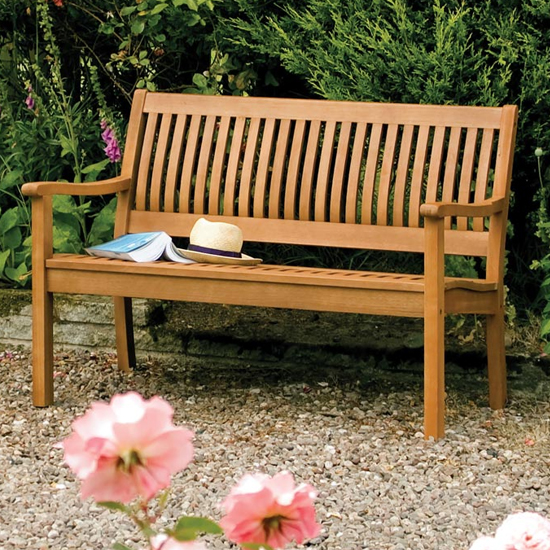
(215, 251)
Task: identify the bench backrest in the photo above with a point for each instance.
(315, 172)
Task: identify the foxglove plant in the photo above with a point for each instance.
(125, 453)
(113, 149)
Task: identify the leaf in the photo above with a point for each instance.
(127, 10)
(18, 274)
(189, 527)
(191, 4)
(9, 219)
(103, 224)
(4, 255)
(95, 168)
(138, 26)
(12, 178)
(200, 81)
(158, 8)
(120, 546)
(113, 505)
(255, 546)
(545, 328)
(12, 239)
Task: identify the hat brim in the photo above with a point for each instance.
(203, 257)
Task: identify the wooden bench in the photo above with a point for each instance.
(410, 178)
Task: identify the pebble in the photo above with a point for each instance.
(380, 484)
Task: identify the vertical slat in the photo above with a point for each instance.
(186, 181)
(203, 165)
(401, 176)
(451, 164)
(130, 162)
(219, 167)
(174, 163)
(371, 171)
(434, 329)
(279, 163)
(337, 188)
(42, 303)
(436, 159)
(466, 173)
(260, 189)
(355, 172)
(159, 163)
(382, 204)
(291, 185)
(483, 169)
(417, 178)
(323, 174)
(245, 188)
(312, 148)
(145, 162)
(229, 195)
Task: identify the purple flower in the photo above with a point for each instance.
(108, 135)
(29, 101)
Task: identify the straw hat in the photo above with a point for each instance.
(217, 243)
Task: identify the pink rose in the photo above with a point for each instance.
(163, 542)
(271, 510)
(524, 531)
(127, 448)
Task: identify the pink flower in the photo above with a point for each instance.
(127, 448)
(163, 542)
(271, 510)
(524, 531)
(108, 136)
(29, 100)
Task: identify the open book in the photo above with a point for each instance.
(141, 247)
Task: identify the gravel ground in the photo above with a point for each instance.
(381, 486)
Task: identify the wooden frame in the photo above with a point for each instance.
(411, 178)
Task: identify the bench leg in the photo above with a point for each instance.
(42, 348)
(124, 328)
(496, 360)
(434, 375)
(434, 329)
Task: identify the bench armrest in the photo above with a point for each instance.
(106, 187)
(477, 210)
